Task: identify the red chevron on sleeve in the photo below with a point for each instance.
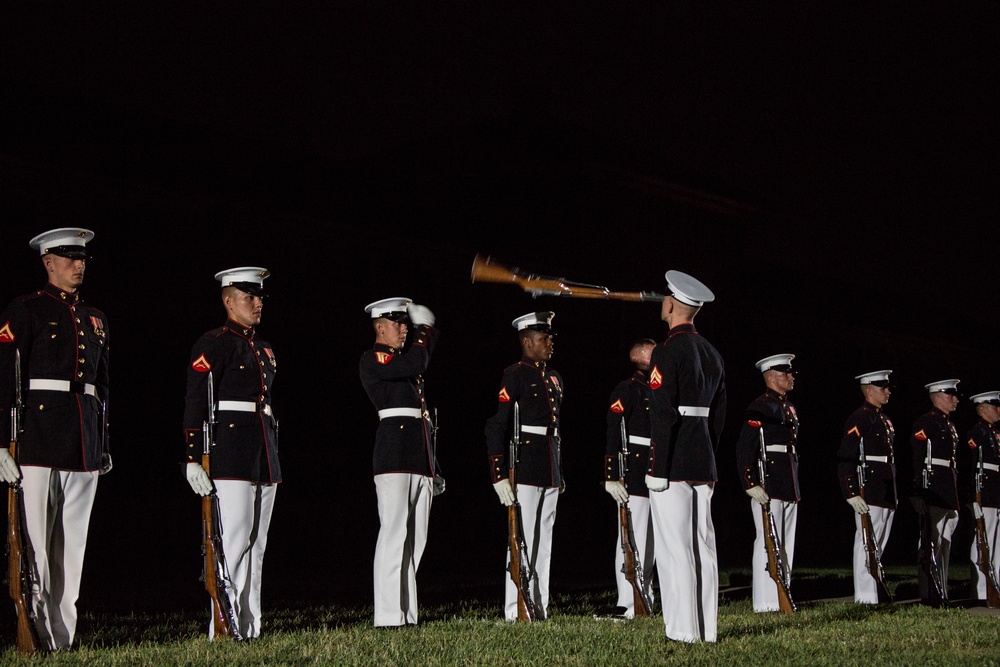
(617, 407)
(201, 364)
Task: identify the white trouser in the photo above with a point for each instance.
(642, 527)
(538, 516)
(404, 511)
(686, 560)
(765, 591)
(865, 588)
(991, 521)
(943, 524)
(57, 505)
(245, 512)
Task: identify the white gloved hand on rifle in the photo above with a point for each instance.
(657, 483)
(617, 491)
(859, 504)
(420, 314)
(9, 472)
(976, 509)
(505, 491)
(438, 485)
(759, 494)
(198, 479)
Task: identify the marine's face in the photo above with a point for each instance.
(244, 308)
(65, 273)
(538, 346)
(391, 333)
(877, 396)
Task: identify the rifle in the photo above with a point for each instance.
(928, 561)
(485, 269)
(985, 561)
(22, 571)
(642, 605)
(868, 535)
(216, 571)
(776, 565)
(520, 569)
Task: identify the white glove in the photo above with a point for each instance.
(617, 491)
(438, 485)
(420, 314)
(198, 479)
(657, 483)
(106, 463)
(9, 472)
(976, 509)
(505, 491)
(759, 494)
(858, 503)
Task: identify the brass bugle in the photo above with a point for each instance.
(486, 269)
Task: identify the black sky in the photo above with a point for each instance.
(831, 172)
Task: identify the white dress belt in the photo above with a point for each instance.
(539, 430)
(940, 462)
(992, 466)
(639, 440)
(781, 448)
(876, 459)
(692, 411)
(244, 406)
(60, 385)
(400, 412)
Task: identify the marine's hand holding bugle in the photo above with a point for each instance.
(487, 270)
(520, 569)
(776, 566)
(216, 571)
(22, 573)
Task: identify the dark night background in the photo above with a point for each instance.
(830, 172)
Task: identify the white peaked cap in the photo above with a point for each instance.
(991, 397)
(873, 378)
(65, 241)
(540, 321)
(778, 362)
(392, 308)
(947, 386)
(249, 279)
(688, 289)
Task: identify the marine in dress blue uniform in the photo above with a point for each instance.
(687, 414)
(867, 440)
(771, 417)
(404, 462)
(979, 465)
(537, 390)
(629, 403)
(244, 464)
(934, 443)
(64, 351)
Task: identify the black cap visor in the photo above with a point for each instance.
(68, 251)
(400, 316)
(253, 289)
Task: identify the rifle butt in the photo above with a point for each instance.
(485, 270)
(525, 606)
(27, 639)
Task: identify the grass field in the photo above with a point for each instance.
(827, 629)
